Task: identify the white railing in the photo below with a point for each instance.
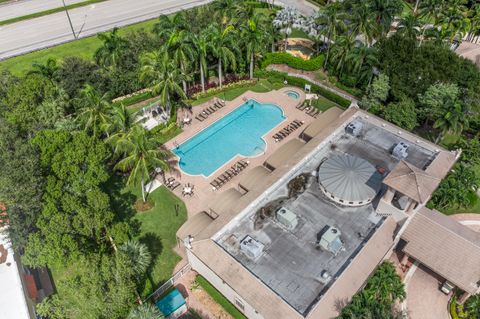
(169, 283)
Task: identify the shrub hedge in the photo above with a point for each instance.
(299, 82)
(292, 61)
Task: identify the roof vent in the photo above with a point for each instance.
(251, 247)
(400, 150)
(325, 277)
(354, 128)
(287, 218)
(329, 239)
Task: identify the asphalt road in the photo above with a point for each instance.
(20, 8)
(42, 32)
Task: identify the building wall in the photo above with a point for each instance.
(221, 286)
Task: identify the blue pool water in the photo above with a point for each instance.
(239, 132)
(293, 94)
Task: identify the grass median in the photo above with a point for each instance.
(49, 11)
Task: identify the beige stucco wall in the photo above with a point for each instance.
(221, 286)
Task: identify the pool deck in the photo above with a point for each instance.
(203, 191)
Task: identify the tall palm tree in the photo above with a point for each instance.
(202, 47)
(340, 50)
(474, 16)
(119, 123)
(386, 286)
(49, 70)
(409, 26)
(453, 119)
(167, 25)
(331, 18)
(109, 53)
(161, 72)
(385, 12)
(225, 10)
(454, 18)
(142, 153)
(139, 256)
(145, 311)
(181, 47)
(363, 21)
(96, 112)
(222, 48)
(254, 36)
(362, 61)
(431, 9)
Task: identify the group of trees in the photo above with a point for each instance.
(63, 139)
(354, 28)
(378, 299)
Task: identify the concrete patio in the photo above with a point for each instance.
(203, 191)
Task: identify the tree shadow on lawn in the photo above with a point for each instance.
(155, 247)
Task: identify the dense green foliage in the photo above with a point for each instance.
(219, 298)
(293, 62)
(468, 310)
(377, 300)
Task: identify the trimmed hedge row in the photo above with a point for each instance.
(299, 82)
(292, 61)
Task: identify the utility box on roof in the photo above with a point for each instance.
(287, 218)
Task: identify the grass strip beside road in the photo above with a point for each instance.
(49, 11)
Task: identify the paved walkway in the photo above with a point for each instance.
(203, 191)
(311, 76)
(424, 298)
(470, 220)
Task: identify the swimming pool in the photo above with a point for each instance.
(238, 133)
(293, 94)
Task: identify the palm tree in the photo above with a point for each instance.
(254, 36)
(120, 123)
(139, 256)
(161, 72)
(453, 119)
(49, 70)
(170, 24)
(202, 47)
(409, 26)
(96, 112)
(385, 12)
(386, 286)
(331, 18)
(431, 9)
(222, 48)
(340, 50)
(181, 48)
(145, 311)
(225, 9)
(362, 61)
(363, 21)
(142, 153)
(109, 53)
(454, 18)
(474, 16)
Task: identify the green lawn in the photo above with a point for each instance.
(323, 104)
(219, 298)
(296, 33)
(84, 48)
(229, 94)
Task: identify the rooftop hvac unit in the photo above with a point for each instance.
(354, 128)
(400, 150)
(287, 218)
(329, 239)
(325, 277)
(251, 247)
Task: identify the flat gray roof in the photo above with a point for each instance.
(291, 265)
